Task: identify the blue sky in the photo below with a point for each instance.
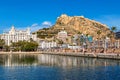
(41, 13)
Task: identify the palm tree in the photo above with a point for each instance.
(87, 40)
(98, 33)
(113, 28)
(82, 39)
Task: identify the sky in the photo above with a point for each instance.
(37, 14)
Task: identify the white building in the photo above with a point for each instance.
(74, 47)
(17, 35)
(47, 45)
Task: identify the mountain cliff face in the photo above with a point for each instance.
(78, 24)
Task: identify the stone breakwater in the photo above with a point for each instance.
(77, 54)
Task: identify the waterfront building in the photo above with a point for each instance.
(17, 35)
(47, 45)
(62, 35)
(74, 47)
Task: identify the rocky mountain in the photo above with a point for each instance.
(74, 25)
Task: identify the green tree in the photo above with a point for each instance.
(2, 43)
(112, 34)
(113, 28)
(7, 48)
(79, 33)
(99, 33)
(25, 46)
(60, 42)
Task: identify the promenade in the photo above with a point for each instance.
(76, 54)
(92, 55)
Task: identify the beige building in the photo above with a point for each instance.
(18, 35)
(62, 35)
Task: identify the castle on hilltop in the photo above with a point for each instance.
(17, 35)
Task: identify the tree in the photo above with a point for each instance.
(82, 39)
(79, 33)
(113, 28)
(99, 33)
(25, 46)
(60, 42)
(112, 34)
(2, 43)
(87, 35)
(7, 48)
(31, 40)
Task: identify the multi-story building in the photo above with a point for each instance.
(47, 45)
(17, 35)
(62, 35)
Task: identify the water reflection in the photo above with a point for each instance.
(53, 60)
(18, 60)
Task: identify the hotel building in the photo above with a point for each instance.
(17, 35)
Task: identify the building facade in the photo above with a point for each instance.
(62, 35)
(117, 35)
(17, 35)
(47, 45)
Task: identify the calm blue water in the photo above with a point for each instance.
(51, 67)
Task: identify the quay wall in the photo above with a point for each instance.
(76, 54)
(92, 55)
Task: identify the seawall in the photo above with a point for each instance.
(76, 54)
(92, 55)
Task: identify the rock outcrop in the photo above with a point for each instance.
(79, 24)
